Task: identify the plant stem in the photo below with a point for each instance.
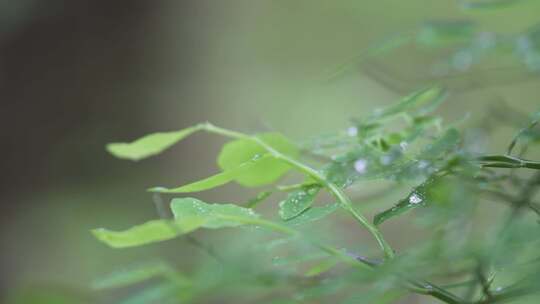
(343, 200)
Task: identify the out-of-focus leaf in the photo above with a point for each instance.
(264, 172)
(420, 103)
(252, 203)
(488, 4)
(218, 179)
(313, 214)
(140, 273)
(298, 201)
(445, 33)
(149, 145)
(379, 48)
(213, 215)
(162, 294)
(321, 267)
(149, 232)
(445, 143)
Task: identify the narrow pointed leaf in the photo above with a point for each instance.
(416, 101)
(149, 232)
(313, 214)
(445, 33)
(321, 267)
(416, 198)
(139, 273)
(297, 202)
(264, 172)
(149, 145)
(217, 180)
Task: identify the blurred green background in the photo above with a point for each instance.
(75, 75)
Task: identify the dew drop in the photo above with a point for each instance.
(403, 145)
(352, 131)
(360, 166)
(415, 199)
(386, 160)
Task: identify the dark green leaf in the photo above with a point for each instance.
(416, 198)
(298, 201)
(313, 214)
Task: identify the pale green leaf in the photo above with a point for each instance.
(149, 145)
(215, 180)
(264, 172)
(149, 232)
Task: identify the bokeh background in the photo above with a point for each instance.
(75, 75)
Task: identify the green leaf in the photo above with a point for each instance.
(265, 172)
(488, 4)
(215, 180)
(149, 145)
(252, 203)
(313, 214)
(298, 201)
(138, 274)
(422, 101)
(445, 33)
(416, 198)
(321, 267)
(189, 213)
(214, 215)
(149, 232)
(445, 143)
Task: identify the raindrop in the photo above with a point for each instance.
(423, 164)
(360, 166)
(352, 131)
(462, 60)
(403, 145)
(386, 160)
(415, 199)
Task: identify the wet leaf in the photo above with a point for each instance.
(298, 201)
(264, 172)
(416, 198)
(214, 215)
